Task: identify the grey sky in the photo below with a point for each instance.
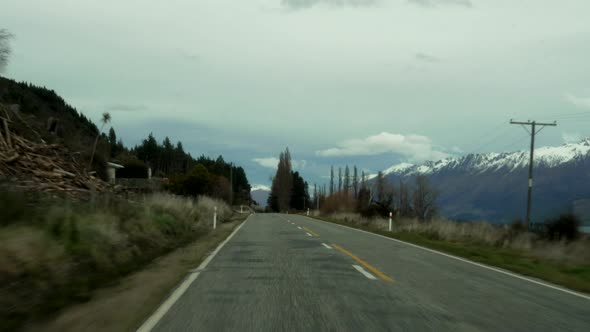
(338, 81)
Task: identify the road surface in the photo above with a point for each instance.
(291, 273)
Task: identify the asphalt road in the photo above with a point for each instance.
(291, 273)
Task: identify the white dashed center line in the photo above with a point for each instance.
(327, 246)
(363, 272)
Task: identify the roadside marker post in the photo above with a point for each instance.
(390, 215)
(308, 212)
(215, 218)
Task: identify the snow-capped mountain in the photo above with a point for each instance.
(260, 194)
(493, 186)
(548, 156)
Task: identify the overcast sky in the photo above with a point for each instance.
(366, 82)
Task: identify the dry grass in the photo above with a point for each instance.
(139, 293)
(54, 253)
(511, 248)
(481, 233)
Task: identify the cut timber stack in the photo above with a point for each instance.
(42, 167)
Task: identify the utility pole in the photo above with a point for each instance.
(533, 132)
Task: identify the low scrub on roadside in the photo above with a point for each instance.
(564, 260)
(54, 252)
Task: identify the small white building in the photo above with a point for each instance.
(112, 171)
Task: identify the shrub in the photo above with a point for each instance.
(64, 251)
(563, 227)
(518, 226)
(133, 169)
(13, 207)
(338, 202)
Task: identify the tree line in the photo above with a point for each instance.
(186, 175)
(289, 191)
(351, 192)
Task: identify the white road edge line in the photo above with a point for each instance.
(151, 322)
(558, 288)
(365, 273)
(327, 246)
(308, 234)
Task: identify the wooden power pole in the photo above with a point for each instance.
(532, 132)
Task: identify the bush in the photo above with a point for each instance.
(133, 169)
(13, 207)
(518, 226)
(563, 227)
(63, 251)
(338, 202)
(375, 210)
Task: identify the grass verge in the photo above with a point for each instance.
(575, 276)
(55, 253)
(140, 293)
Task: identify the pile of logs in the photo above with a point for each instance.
(42, 167)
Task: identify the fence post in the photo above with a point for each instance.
(390, 215)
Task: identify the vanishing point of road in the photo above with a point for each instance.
(282, 272)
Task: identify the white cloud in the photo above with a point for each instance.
(581, 102)
(426, 57)
(571, 137)
(434, 3)
(260, 187)
(414, 147)
(300, 4)
(457, 149)
(298, 164)
(272, 162)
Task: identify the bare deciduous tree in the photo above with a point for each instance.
(355, 182)
(331, 180)
(424, 199)
(5, 50)
(346, 181)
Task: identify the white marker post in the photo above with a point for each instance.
(215, 218)
(308, 212)
(390, 215)
(241, 208)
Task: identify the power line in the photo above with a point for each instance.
(474, 148)
(533, 132)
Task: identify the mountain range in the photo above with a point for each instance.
(493, 186)
(260, 194)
